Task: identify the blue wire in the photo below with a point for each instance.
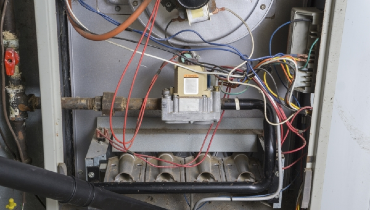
(186, 199)
(249, 66)
(157, 40)
(202, 205)
(281, 80)
(272, 36)
(88, 7)
(236, 52)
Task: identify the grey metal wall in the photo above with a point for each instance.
(96, 66)
(342, 168)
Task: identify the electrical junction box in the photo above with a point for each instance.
(303, 39)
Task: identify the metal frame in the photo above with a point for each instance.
(326, 78)
(48, 56)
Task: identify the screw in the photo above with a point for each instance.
(135, 3)
(117, 8)
(80, 172)
(91, 175)
(263, 6)
(277, 173)
(168, 4)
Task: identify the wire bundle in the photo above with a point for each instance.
(231, 75)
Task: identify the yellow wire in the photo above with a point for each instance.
(287, 69)
(274, 94)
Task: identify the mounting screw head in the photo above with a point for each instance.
(117, 8)
(135, 3)
(168, 4)
(263, 6)
(277, 173)
(91, 175)
(80, 172)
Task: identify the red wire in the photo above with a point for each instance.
(281, 115)
(189, 165)
(152, 18)
(286, 167)
(175, 165)
(143, 106)
(133, 81)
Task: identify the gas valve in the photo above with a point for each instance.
(11, 60)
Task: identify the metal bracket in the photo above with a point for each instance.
(210, 170)
(127, 168)
(240, 168)
(154, 174)
(306, 194)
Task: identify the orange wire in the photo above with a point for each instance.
(114, 32)
(285, 72)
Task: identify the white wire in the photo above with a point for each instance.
(246, 25)
(174, 63)
(74, 16)
(296, 67)
(213, 73)
(152, 56)
(253, 198)
(265, 104)
(252, 39)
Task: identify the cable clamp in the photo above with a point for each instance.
(237, 104)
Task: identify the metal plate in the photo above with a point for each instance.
(233, 135)
(113, 7)
(222, 28)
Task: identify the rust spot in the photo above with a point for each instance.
(20, 135)
(57, 134)
(23, 108)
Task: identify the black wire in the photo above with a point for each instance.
(284, 63)
(38, 198)
(165, 33)
(290, 88)
(275, 85)
(204, 65)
